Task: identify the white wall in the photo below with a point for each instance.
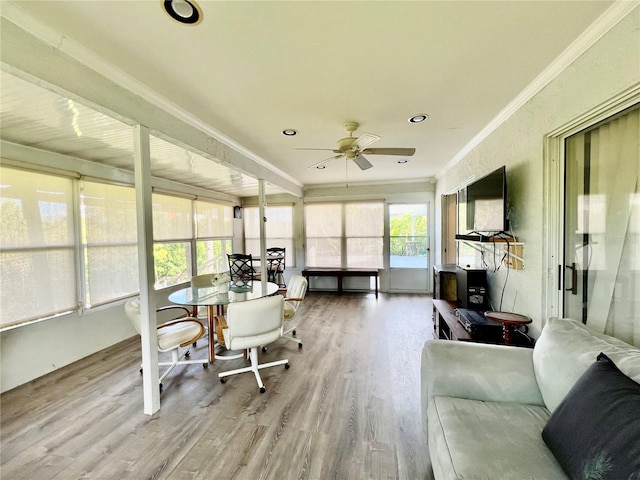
(608, 67)
(34, 350)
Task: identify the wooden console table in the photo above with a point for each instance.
(448, 327)
(446, 323)
(340, 273)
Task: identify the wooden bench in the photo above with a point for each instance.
(340, 273)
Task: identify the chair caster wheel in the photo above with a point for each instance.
(262, 389)
(299, 345)
(140, 371)
(205, 365)
(286, 366)
(222, 380)
(187, 354)
(293, 333)
(264, 349)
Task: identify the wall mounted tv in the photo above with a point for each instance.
(482, 205)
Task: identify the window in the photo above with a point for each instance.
(109, 242)
(172, 234)
(37, 246)
(66, 244)
(344, 235)
(408, 235)
(364, 230)
(323, 226)
(278, 230)
(214, 234)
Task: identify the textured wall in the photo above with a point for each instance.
(607, 68)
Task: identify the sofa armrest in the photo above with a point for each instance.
(477, 371)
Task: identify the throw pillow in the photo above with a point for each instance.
(595, 431)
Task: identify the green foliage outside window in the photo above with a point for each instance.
(408, 234)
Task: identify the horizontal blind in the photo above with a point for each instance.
(37, 254)
(109, 241)
(172, 218)
(278, 230)
(364, 231)
(213, 220)
(323, 225)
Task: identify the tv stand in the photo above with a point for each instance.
(446, 322)
(448, 327)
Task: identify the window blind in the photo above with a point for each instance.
(37, 255)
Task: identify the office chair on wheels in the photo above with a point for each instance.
(252, 324)
(171, 336)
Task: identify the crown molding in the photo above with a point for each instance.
(610, 18)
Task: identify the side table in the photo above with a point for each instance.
(509, 322)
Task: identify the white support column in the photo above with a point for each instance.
(150, 374)
(262, 203)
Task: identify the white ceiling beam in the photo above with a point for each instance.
(58, 70)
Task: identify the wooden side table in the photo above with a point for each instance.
(509, 322)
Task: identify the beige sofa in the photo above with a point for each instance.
(484, 407)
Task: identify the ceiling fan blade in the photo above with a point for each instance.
(326, 160)
(407, 152)
(365, 139)
(362, 162)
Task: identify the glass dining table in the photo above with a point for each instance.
(215, 299)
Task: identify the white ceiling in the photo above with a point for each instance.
(251, 69)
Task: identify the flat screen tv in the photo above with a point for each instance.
(482, 205)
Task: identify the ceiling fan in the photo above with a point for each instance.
(353, 148)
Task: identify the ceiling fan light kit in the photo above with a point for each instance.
(352, 148)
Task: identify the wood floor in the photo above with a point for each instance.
(348, 408)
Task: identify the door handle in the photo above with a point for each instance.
(574, 279)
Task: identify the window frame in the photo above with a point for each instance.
(79, 244)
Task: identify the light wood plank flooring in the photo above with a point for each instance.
(348, 408)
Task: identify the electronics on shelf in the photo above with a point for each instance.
(482, 206)
(471, 286)
(479, 326)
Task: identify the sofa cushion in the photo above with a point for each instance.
(472, 439)
(595, 431)
(566, 348)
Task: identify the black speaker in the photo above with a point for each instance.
(472, 288)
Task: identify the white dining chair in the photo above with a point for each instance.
(252, 324)
(294, 296)
(171, 336)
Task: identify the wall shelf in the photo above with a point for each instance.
(513, 250)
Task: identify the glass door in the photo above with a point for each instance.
(601, 261)
(408, 247)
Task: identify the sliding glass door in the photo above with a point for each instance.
(601, 263)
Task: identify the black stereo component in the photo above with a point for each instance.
(472, 288)
(479, 326)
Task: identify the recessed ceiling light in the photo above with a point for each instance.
(404, 160)
(183, 11)
(421, 117)
(289, 132)
(321, 167)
